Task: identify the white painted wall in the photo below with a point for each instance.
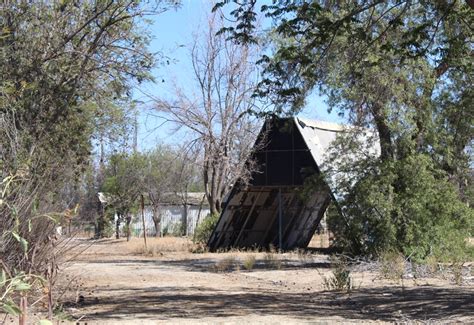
(171, 218)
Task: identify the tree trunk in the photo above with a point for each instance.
(117, 226)
(99, 233)
(128, 219)
(143, 220)
(184, 220)
(156, 221)
(199, 213)
(385, 135)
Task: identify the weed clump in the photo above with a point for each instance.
(457, 270)
(249, 262)
(341, 279)
(392, 265)
(304, 257)
(271, 259)
(226, 265)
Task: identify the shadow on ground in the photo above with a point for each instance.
(208, 264)
(385, 303)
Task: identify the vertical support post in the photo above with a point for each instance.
(143, 220)
(280, 217)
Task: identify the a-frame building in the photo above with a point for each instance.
(276, 207)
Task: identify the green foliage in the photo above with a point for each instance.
(10, 286)
(174, 229)
(341, 275)
(123, 184)
(66, 75)
(65, 84)
(408, 206)
(204, 230)
(403, 69)
(127, 176)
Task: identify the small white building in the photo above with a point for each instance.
(175, 210)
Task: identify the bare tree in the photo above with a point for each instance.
(217, 115)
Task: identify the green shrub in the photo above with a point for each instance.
(204, 229)
(341, 279)
(407, 206)
(174, 229)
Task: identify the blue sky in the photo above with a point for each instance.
(172, 31)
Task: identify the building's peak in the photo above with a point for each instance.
(322, 125)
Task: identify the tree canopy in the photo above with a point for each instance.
(403, 68)
(66, 69)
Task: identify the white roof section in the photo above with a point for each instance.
(321, 125)
(319, 136)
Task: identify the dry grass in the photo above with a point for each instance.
(157, 245)
(304, 256)
(457, 270)
(149, 250)
(392, 266)
(227, 264)
(180, 282)
(249, 262)
(272, 260)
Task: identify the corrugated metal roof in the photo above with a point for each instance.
(320, 135)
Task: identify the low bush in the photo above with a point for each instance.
(457, 270)
(226, 265)
(392, 265)
(174, 229)
(341, 279)
(204, 229)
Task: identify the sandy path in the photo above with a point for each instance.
(120, 286)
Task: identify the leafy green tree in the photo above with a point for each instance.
(403, 68)
(168, 170)
(123, 184)
(59, 61)
(157, 181)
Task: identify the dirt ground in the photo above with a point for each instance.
(120, 283)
